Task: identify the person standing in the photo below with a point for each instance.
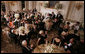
(60, 18)
(53, 15)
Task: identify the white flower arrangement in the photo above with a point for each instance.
(21, 29)
(49, 49)
(16, 16)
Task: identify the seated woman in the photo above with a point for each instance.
(48, 24)
(22, 22)
(56, 41)
(67, 27)
(22, 35)
(11, 24)
(69, 36)
(63, 36)
(42, 37)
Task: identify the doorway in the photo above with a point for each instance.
(23, 4)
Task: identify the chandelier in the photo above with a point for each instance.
(79, 4)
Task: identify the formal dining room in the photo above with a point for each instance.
(42, 27)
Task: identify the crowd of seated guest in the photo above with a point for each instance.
(34, 23)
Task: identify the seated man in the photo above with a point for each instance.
(42, 37)
(13, 35)
(67, 27)
(76, 26)
(76, 35)
(60, 29)
(69, 45)
(56, 41)
(25, 48)
(41, 25)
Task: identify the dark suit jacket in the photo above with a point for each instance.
(25, 50)
(59, 16)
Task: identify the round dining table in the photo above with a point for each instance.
(48, 48)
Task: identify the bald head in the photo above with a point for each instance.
(24, 43)
(41, 32)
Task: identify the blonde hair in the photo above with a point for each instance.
(63, 33)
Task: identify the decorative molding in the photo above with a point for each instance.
(58, 6)
(69, 8)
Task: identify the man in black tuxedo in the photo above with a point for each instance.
(17, 23)
(53, 15)
(25, 48)
(20, 14)
(13, 36)
(60, 18)
(34, 10)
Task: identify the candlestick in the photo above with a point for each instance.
(53, 41)
(59, 44)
